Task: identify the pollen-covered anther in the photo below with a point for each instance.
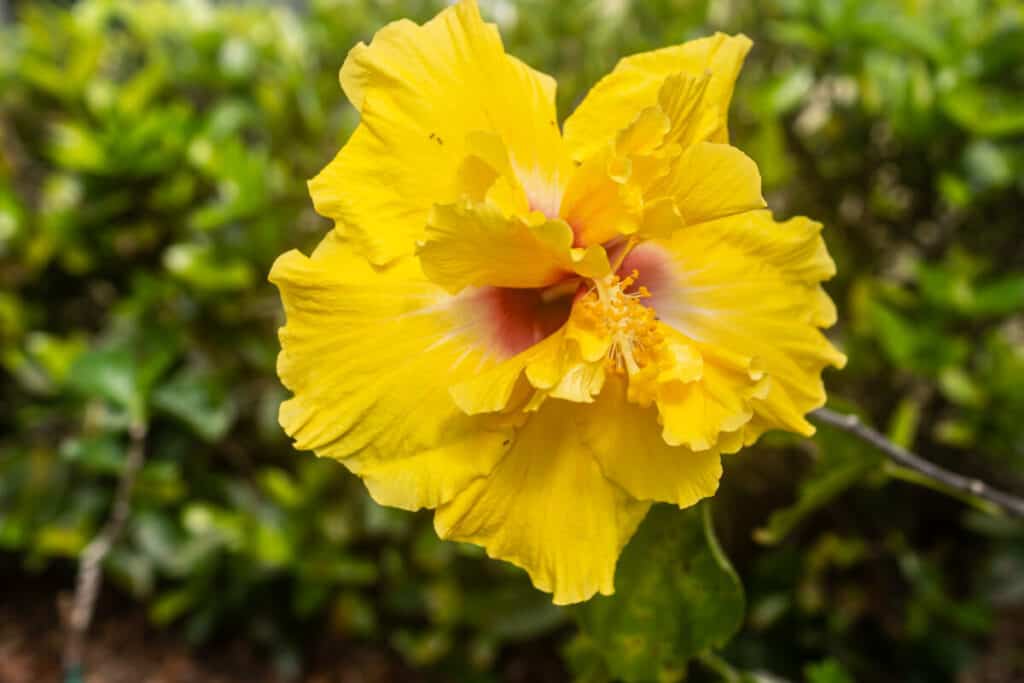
(617, 313)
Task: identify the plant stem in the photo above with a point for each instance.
(715, 663)
(90, 565)
(1009, 504)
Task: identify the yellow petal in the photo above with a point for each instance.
(420, 91)
(626, 442)
(477, 244)
(644, 134)
(661, 218)
(369, 355)
(604, 196)
(596, 205)
(642, 184)
(749, 286)
(700, 393)
(636, 83)
(492, 391)
(696, 413)
(548, 508)
(710, 181)
(682, 99)
(486, 174)
(566, 367)
(660, 194)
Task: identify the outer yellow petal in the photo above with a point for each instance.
(548, 508)
(477, 244)
(421, 90)
(636, 83)
(370, 355)
(626, 441)
(749, 286)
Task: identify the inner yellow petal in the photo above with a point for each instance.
(476, 244)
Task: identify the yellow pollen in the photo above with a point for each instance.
(610, 310)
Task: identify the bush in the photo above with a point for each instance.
(153, 163)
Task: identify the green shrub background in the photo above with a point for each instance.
(153, 158)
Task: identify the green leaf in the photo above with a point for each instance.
(960, 388)
(172, 605)
(768, 148)
(132, 571)
(101, 453)
(1004, 296)
(843, 462)
(125, 372)
(108, 373)
(985, 110)
(827, 671)
(55, 354)
(352, 614)
(60, 540)
(515, 612)
(676, 596)
(912, 342)
(989, 165)
(76, 147)
(902, 34)
(199, 402)
(198, 266)
(798, 34)
(782, 94)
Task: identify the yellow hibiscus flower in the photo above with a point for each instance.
(537, 331)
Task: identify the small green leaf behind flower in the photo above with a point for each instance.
(676, 596)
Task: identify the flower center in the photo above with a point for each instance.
(516, 319)
(610, 309)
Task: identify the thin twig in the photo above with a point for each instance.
(852, 424)
(90, 565)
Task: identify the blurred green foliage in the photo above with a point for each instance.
(152, 165)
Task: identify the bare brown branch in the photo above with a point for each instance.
(852, 424)
(90, 574)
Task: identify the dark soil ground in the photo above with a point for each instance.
(124, 648)
(1003, 661)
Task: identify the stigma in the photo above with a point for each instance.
(614, 311)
